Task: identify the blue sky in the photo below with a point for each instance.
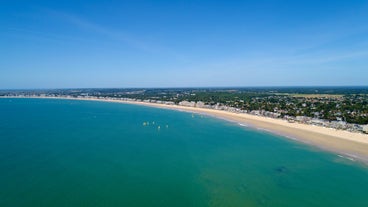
(68, 44)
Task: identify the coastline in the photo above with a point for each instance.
(352, 145)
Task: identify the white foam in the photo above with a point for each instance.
(241, 124)
(349, 157)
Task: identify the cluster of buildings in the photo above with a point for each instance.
(338, 124)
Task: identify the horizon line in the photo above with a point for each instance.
(191, 87)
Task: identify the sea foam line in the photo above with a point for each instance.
(349, 157)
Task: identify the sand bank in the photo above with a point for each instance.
(353, 145)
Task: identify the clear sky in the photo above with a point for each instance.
(68, 44)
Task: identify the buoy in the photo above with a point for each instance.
(158, 127)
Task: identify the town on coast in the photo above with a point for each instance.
(336, 108)
(349, 139)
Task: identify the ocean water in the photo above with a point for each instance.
(85, 153)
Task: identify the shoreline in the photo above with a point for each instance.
(342, 143)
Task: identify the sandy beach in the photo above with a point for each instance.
(354, 146)
(349, 144)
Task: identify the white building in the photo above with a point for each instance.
(187, 103)
(365, 128)
(200, 104)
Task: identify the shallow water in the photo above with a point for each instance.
(85, 153)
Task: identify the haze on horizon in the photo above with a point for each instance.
(83, 44)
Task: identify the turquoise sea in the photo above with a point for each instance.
(82, 153)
